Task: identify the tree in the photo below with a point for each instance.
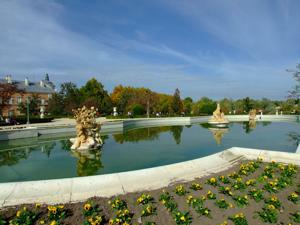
(204, 106)
(295, 92)
(248, 104)
(94, 92)
(227, 105)
(71, 97)
(163, 104)
(7, 90)
(34, 105)
(56, 105)
(176, 104)
(187, 105)
(137, 110)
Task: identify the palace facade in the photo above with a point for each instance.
(44, 89)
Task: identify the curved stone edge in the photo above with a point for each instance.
(79, 189)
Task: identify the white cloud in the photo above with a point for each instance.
(35, 41)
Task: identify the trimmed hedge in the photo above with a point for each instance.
(23, 119)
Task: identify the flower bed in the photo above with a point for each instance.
(250, 193)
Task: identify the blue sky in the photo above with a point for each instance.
(211, 48)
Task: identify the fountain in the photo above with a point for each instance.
(218, 119)
(252, 119)
(87, 130)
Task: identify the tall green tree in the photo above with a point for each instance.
(295, 92)
(205, 106)
(248, 104)
(176, 104)
(94, 94)
(187, 105)
(56, 105)
(34, 105)
(71, 97)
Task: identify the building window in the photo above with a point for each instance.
(19, 100)
(11, 101)
(27, 99)
(43, 101)
(49, 96)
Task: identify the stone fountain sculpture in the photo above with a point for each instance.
(252, 114)
(252, 118)
(87, 129)
(218, 117)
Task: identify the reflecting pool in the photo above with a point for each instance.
(48, 158)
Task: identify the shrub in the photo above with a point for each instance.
(222, 204)
(273, 200)
(210, 195)
(269, 214)
(224, 179)
(294, 197)
(123, 217)
(90, 209)
(118, 204)
(56, 212)
(182, 218)
(24, 216)
(148, 210)
(137, 110)
(144, 199)
(33, 119)
(180, 190)
(239, 219)
(241, 200)
(296, 217)
(212, 181)
(257, 195)
(196, 186)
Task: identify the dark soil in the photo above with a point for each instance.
(164, 217)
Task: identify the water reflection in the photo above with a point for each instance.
(148, 134)
(48, 158)
(294, 137)
(88, 163)
(47, 148)
(218, 134)
(9, 158)
(252, 124)
(176, 133)
(13, 156)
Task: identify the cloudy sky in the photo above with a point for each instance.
(211, 48)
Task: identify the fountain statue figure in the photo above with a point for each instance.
(252, 114)
(252, 118)
(87, 129)
(218, 117)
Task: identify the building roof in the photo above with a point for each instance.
(44, 86)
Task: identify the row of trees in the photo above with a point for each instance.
(143, 101)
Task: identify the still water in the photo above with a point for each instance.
(42, 158)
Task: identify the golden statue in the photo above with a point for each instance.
(87, 129)
(252, 114)
(218, 117)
